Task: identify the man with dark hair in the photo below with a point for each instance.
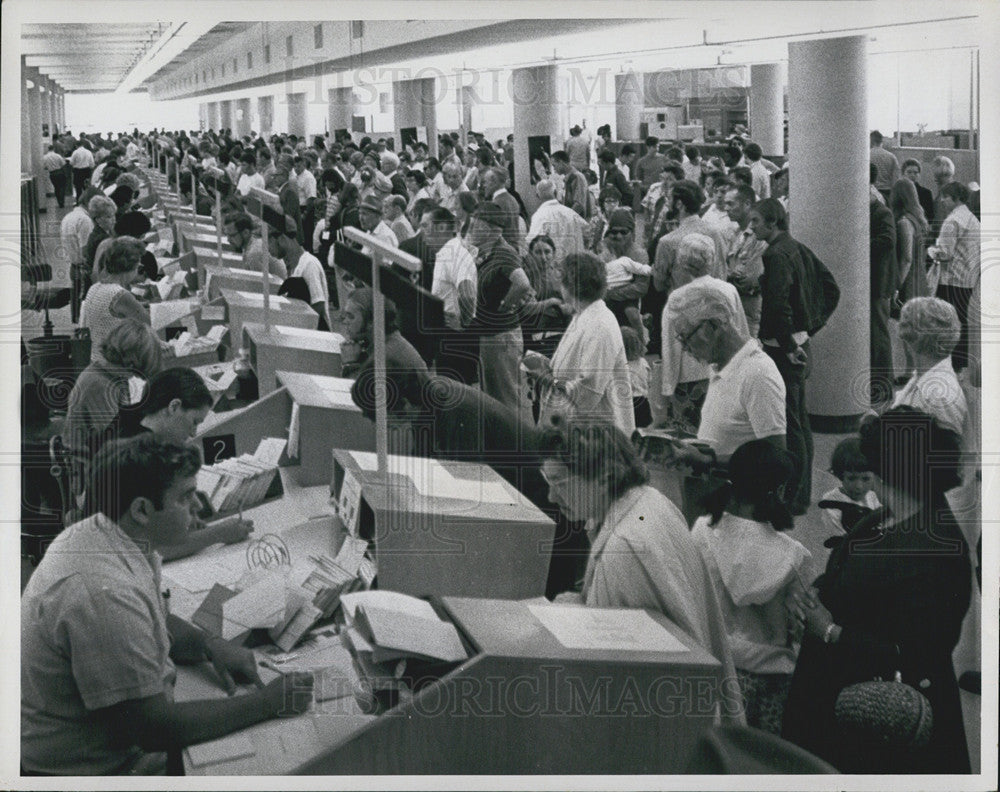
(760, 176)
(576, 190)
(883, 280)
(911, 171)
(454, 283)
(649, 167)
(611, 176)
(578, 148)
(244, 236)
(98, 646)
(685, 202)
(958, 250)
(502, 289)
(783, 332)
(744, 261)
(284, 244)
(657, 207)
(886, 162)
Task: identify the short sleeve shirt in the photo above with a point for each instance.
(745, 401)
(93, 634)
(312, 272)
(452, 266)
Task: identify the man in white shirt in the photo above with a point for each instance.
(685, 378)
(760, 175)
(455, 281)
(249, 178)
(957, 249)
(55, 166)
(370, 216)
(74, 231)
(284, 244)
(305, 182)
(451, 184)
(562, 224)
(82, 163)
(394, 214)
(746, 393)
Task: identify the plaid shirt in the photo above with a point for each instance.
(959, 246)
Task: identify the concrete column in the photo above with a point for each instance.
(535, 94)
(47, 115)
(35, 140)
(25, 121)
(629, 102)
(414, 104)
(242, 119)
(828, 195)
(226, 114)
(340, 109)
(467, 97)
(767, 107)
(213, 116)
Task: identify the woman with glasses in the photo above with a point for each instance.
(641, 552)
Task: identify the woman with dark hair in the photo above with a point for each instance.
(588, 374)
(642, 554)
(754, 565)
(359, 329)
(892, 599)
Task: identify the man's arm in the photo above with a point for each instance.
(157, 724)
(776, 290)
(467, 301)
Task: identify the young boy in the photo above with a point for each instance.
(638, 372)
(856, 480)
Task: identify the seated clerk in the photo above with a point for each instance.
(98, 646)
(439, 417)
(176, 402)
(283, 244)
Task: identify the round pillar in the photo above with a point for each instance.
(213, 116)
(535, 95)
(35, 142)
(828, 206)
(414, 104)
(629, 102)
(767, 107)
(340, 109)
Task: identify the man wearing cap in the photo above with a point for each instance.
(284, 244)
(563, 225)
(502, 290)
(578, 148)
(370, 215)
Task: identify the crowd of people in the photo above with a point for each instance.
(541, 368)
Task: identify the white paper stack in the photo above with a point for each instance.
(241, 482)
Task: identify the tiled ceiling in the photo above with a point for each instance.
(97, 57)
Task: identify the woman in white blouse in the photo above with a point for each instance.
(642, 554)
(588, 374)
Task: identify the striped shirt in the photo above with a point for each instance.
(958, 244)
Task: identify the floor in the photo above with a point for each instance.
(809, 529)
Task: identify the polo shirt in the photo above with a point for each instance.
(960, 245)
(81, 158)
(93, 634)
(74, 231)
(745, 401)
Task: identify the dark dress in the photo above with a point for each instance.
(907, 587)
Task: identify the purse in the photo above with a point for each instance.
(892, 714)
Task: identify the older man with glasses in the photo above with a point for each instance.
(745, 399)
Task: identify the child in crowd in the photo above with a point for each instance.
(638, 371)
(856, 480)
(754, 567)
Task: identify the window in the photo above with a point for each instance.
(318, 36)
(267, 53)
(234, 65)
(249, 60)
(223, 70)
(288, 46)
(357, 30)
(204, 75)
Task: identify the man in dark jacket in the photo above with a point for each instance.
(882, 275)
(784, 319)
